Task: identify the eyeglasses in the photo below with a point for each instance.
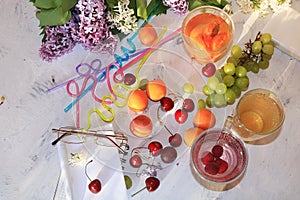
(72, 135)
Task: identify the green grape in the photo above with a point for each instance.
(265, 38)
(264, 64)
(230, 96)
(221, 88)
(268, 49)
(248, 65)
(219, 100)
(255, 68)
(220, 73)
(212, 82)
(256, 47)
(207, 90)
(229, 68)
(236, 51)
(188, 88)
(233, 60)
(143, 84)
(128, 182)
(201, 103)
(266, 56)
(236, 90)
(209, 101)
(228, 80)
(240, 71)
(242, 82)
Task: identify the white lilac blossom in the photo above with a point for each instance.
(94, 33)
(177, 6)
(123, 18)
(77, 159)
(263, 7)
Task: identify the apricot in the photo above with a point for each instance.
(141, 126)
(137, 100)
(191, 134)
(204, 119)
(147, 35)
(156, 89)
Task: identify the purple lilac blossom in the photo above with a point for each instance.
(177, 6)
(58, 42)
(94, 33)
(88, 26)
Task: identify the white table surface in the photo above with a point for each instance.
(30, 166)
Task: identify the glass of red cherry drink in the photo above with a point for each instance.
(218, 159)
(207, 33)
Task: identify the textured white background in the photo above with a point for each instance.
(29, 165)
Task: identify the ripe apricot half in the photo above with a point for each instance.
(156, 89)
(141, 126)
(191, 134)
(147, 35)
(137, 100)
(204, 118)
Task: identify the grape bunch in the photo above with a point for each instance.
(231, 79)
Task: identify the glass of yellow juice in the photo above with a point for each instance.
(207, 33)
(258, 114)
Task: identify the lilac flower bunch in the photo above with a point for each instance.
(98, 25)
(177, 6)
(88, 26)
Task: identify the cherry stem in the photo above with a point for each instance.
(86, 170)
(168, 130)
(138, 191)
(161, 122)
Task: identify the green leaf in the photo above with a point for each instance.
(217, 3)
(68, 4)
(156, 7)
(45, 4)
(111, 3)
(141, 9)
(53, 17)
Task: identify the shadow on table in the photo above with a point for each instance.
(266, 140)
(219, 187)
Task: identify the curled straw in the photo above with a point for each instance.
(132, 62)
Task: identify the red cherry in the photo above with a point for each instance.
(135, 161)
(223, 165)
(217, 151)
(152, 183)
(212, 168)
(175, 140)
(207, 157)
(95, 186)
(155, 148)
(166, 103)
(181, 116)
(188, 105)
(209, 69)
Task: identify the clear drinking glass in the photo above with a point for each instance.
(207, 33)
(234, 153)
(258, 114)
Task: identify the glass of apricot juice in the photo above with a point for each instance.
(207, 34)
